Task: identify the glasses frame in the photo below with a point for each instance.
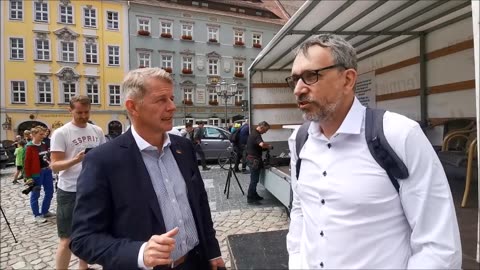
(292, 85)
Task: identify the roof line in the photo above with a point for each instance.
(282, 9)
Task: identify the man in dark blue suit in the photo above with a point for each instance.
(141, 201)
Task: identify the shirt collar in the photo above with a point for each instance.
(144, 145)
(352, 123)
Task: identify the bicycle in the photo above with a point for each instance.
(226, 158)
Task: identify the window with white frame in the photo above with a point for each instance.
(69, 91)
(16, 10)
(214, 121)
(93, 93)
(238, 96)
(166, 27)
(239, 67)
(16, 49)
(41, 11)
(212, 66)
(188, 93)
(89, 17)
(257, 38)
(114, 94)
(44, 91)
(42, 49)
(213, 34)
(68, 51)
(112, 20)
(66, 14)
(239, 37)
(212, 94)
(91, 53)
(167, 61)
(19, 93)
(144, 59)
(187, 62)
(143, 24)
(113, 55)
(187, 30)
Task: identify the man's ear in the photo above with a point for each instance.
(350, 79)
(131, 106)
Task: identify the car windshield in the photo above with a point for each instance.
(214, 133)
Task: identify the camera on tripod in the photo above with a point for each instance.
(30, 183)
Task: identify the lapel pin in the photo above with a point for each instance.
(179, 151)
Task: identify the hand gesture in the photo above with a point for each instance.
(159, 248)
(79, 157)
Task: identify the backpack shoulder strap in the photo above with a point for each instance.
(300, 139)
(381, 151)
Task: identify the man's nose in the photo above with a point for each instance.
(300, 88)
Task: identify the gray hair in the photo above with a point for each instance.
(343, 52)
(134, 84)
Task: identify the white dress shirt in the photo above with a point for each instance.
(347, 214)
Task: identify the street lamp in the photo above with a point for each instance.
(7, 125)
(226, 91)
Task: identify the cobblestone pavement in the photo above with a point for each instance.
(37, 244)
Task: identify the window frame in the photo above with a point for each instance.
(238, 36)
(259, 38)
(166, 25)
(18, 11)
(12, 92)
(67, 15)
(212, 95)
(112, 21)
(115, 57)
(91, 54)
(41, 12)
(93, 20)
(239, 68)
(140, 59)
(17, 48)
(213, 34)
(72, 52)
(215, 66)
(39, 91)
(63, 93)
(93, 95)
(115, 95)
(187, 63)
(187, 32)
(141, 26)
(162, 61)
(44, 51)
(191, 93)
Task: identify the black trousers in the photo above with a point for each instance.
(240, 151)
(199, 150)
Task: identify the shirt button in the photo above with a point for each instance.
(329, 145)
(321, 264)
(181, 221)
(321, 233)
(322, 201)
(324, 173)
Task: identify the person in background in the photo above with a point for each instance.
(346, 213)
(255, 147)
(187, 132)
(198, 135)
(141, 199)
(19, 159)
(27, 136)
(37, 168)
(242, 141)
(69, 144)
(46, 140)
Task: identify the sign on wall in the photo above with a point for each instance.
(200, 96)
(365, 89)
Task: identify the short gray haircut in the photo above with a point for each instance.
(343, 52)
(134, 84)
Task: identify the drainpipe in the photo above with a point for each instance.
(423, 81)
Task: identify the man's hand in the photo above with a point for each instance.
(79, 157)
(215, 264)
(159, 248)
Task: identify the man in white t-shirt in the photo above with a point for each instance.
(68, 147)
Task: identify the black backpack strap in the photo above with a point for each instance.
(300, 139)
(381, 151)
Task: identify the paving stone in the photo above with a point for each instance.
(19, 265)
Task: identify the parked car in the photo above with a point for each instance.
(215, 140)
(3, 157)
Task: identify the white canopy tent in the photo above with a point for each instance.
(372, 27)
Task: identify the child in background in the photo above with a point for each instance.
(19, 157)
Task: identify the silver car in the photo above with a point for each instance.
(214, 142)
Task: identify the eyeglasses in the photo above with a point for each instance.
(308, 77)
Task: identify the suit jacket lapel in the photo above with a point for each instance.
(180, 155)
(143, 178)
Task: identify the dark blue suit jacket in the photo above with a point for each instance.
(117, 209)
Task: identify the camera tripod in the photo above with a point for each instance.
(231, 172)
(8, 224)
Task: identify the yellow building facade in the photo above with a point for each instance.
(53, 50)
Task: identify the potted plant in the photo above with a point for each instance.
(166, 35)
(239, 74)
(187, 102)
(213, 102)
(167, 69)
(187, 71)
(144, 33)
(213, 40)
(239, 43)
(257, 45)
(186, 37)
